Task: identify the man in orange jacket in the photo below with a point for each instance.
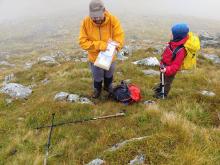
(96, 30)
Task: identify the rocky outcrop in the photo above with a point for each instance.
(73, 98)
(150, 61)
(16, 91)
(214, 58)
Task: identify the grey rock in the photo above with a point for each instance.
(73, 98)
(208, 93)
(59, 54)
(47, 60)
(84, 59)
(5, 63)
(208, 40)
(16, 91)
(84, 100)
(121, 56)
(62, 96)
(149, 102)
(138, 160)
(211, 43)
(45, 81)
(96, 162)
(76, 60)
(151, 72)
(214, 58)
(150, 61)
(206, 36)
(120, 145)
(28, 65)
(126, 51)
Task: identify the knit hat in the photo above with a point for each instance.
(180, 31)
(96, 8)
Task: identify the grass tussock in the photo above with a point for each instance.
(184, 129)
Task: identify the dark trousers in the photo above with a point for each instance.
(168, 80)
(100, 74)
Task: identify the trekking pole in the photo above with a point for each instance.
(163, 86)
(162, 79)
(48, 142)
(121, 114)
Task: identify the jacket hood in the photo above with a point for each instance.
(107, 18)
(178, 43)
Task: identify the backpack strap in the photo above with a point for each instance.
(175, 51)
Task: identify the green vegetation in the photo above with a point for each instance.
(183, 130)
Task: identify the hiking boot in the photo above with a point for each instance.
(97, 89)
(108, 89)
(160, 95)
(157, 89)
(108, 84)
(96, 94)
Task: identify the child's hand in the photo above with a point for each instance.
(163, 70)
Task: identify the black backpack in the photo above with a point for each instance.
(122, 94)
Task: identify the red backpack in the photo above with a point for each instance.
(135, 92)
(126, 94)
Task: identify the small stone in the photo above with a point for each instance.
(138, 160)
(208, 93)
(62, 96)
(5, 63)
(47, 60)
(121, 56)
(149, 102)
(96, 162)
(84, 100)
(28, 65)
(45, 81)
(84, 59)
(73, 98)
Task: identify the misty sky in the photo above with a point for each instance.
(20, 9)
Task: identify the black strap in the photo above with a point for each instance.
(175, 51)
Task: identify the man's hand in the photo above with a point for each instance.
(102, 45)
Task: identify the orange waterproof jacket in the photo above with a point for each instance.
(93, 38)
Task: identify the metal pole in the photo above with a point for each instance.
(48, 142)
(121, 114)
(163, 85)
